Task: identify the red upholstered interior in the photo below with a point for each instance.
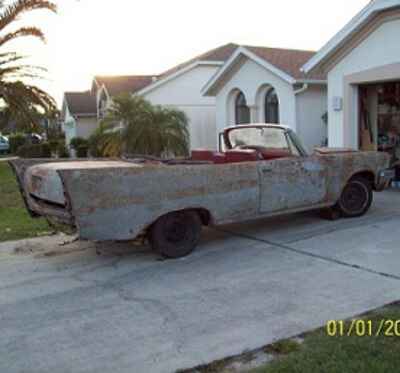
(202, 155)
(239, 155)
(269, 154)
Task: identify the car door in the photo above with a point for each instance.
(291, 183)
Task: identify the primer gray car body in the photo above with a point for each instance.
(118, 200)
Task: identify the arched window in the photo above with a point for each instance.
(271, 107)
(242, 111)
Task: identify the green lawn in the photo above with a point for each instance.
(15, 222)
(323, 354)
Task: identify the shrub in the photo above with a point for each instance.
(82, 151)
(105, 142)
(35, 151)
(54, 146)
(16, 141)
(62, 151)
(77, 142)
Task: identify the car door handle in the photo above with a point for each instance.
(266, 170)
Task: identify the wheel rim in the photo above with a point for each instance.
(176, 230)
(355, 197)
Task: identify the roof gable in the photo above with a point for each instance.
(81, 103)
(220, 54)
(285, 63)
(345, 35)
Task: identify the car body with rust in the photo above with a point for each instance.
(260, 171)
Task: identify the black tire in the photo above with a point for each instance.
(356, 198)
(176, 235)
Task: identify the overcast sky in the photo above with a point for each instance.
(90, 37)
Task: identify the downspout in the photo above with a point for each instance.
(302, 89)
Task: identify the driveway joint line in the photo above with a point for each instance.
(336, 228)
(311, 255)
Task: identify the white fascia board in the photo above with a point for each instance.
(220, 72)
(102, 89)
(250, 55)
(373, 7)
(178, 73)
(311, 81)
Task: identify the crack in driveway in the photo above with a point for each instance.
(311, 255)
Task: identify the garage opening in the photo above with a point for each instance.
(379, 119)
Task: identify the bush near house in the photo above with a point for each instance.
(81, 146)
(35, 151)
(62, 150)
(16, 141)
(54, 146)
(82, 151)
(76, 142)
(105, 142)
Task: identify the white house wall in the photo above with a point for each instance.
(183, 93)
(311, 107)
(86, 126)
(250, 79)
(380, 48)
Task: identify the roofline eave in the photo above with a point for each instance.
(207, 90)
(168, 78)
(340, 37)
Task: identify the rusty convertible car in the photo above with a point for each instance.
(260, 171)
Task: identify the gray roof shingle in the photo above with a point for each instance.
(81, 103)
(124, 83)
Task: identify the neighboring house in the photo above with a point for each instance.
(265, 85)
(79, 115)
(362, 63)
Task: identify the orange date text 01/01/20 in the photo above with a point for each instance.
(363, 328)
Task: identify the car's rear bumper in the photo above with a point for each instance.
(384, 179)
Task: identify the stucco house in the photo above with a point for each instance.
(362, 64)
(78, 115)
(207, 89)
(266, 85)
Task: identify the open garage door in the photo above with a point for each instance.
(379, 118)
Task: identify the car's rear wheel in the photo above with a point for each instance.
(356, 198)
(176, 235)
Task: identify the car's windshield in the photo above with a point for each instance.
(265, 137)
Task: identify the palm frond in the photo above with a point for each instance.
(12, 11)
(21, 98)
(23, 32)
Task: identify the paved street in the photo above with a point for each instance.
(82, 307)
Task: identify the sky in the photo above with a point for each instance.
(128, 37)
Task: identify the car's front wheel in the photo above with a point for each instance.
(356, 198)
(176, 235)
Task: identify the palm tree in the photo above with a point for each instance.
(147, 129)
(17, 97)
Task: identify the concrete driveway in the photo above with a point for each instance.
(117, 308)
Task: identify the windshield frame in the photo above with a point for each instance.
(290, 135)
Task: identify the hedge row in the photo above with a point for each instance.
(34, 151)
